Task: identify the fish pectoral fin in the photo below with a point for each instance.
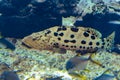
(94, 61)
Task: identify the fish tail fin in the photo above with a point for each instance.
(109, 41)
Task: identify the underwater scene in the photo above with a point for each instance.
(59, 39)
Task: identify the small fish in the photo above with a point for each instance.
(106, 76)
(5, 43)
(69, 21)
(114, 22)
(9, 75)
(76, 63)
(40, 1)
(85, 40)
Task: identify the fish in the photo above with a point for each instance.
(106, 76)
(117, 22)
(79, 39)
(7, 43)
(70, 21)
(76, 63)
(9, 75)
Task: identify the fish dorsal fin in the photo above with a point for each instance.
(93, 32)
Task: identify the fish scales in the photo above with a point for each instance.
(69, 38)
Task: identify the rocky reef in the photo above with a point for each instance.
(30, 64)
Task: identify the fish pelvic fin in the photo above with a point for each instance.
(109, 41)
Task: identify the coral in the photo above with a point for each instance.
(97, 7)
(84, 7)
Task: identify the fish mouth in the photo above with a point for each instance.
(26, 42)
(26, 45)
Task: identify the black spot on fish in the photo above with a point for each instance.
(83, 42)
(66, 41)
(34, 39)
(80, 47)
(56, 45)
(73, 41)
(61, 34)
(102, 47)
(88, 31)
(92, 37)
(90, 43)
(74, 29)
(72, 36)
(59, 39)
(91, 47)
(97, 43)
(67, 46)
(85, 34)
(48, 32)
(55, 34)
(59, 29)
(64, 28)
(103, 43)
(83, 47)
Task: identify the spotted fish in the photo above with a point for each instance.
(85, 40)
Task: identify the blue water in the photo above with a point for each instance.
(18, 19)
